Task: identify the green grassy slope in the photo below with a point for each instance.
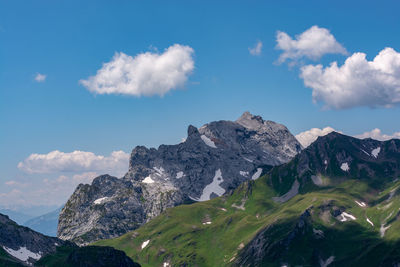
(179, 235)
(248, 228)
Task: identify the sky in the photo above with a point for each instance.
(84, 82)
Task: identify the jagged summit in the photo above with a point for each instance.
(213, 159)
(339, 157)
(251, 121)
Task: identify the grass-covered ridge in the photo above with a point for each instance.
(182, 236)
(350, 218)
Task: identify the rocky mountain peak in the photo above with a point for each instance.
(214, 159)
(250, 121)
(339, 157)
(192, 130)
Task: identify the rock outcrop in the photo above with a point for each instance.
(213, 159)
(23, 244)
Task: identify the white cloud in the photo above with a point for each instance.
(312, 44)
(378, 135)
(14, 196)
(146, 74)
(40, 77)
(358, 82)
(84, 178)
(307, 137)
(14, 183)
(256, 50)
(77, 161)
(55, 190)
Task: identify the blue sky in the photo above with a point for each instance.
(68, 41)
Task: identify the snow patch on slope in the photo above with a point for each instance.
(23, 254)
(345, 167)
(160, 171)
(257, 174)
(360, 203)
(100, 200)
(249, 160)
(214, 187)
(365, 152)
(145, 243)
(375, 152)
(346, 216)
(179, 175)
(208, 141)
(148, 180)
(383, 229)
(243, 173)
(328, 261)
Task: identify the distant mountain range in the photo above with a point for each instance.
(22, 214)
(45, 224)
(18, 217)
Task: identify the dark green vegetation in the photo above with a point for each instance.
(90, 256)
(6, 260)
(332, 217)
(20, 240)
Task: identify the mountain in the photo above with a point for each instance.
(24, 245)
(213, 160)
(334, 204)
(21, 246)
(18, 217)
(46, 223)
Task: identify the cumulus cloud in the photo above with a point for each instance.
(146, 74)
(358, 82)
(312, 44)
(307, 137)
(256, 50)
(14, 196)
(77, 161)
(40, 77)
(55, 190)
(378, 135)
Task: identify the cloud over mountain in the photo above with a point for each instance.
(378, 135)
(146, 74)
(307, 137)
(77, 161)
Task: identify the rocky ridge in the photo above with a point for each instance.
(23, 244)
(213, 159)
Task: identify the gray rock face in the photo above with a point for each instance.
(212, 160)
(24, 244)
